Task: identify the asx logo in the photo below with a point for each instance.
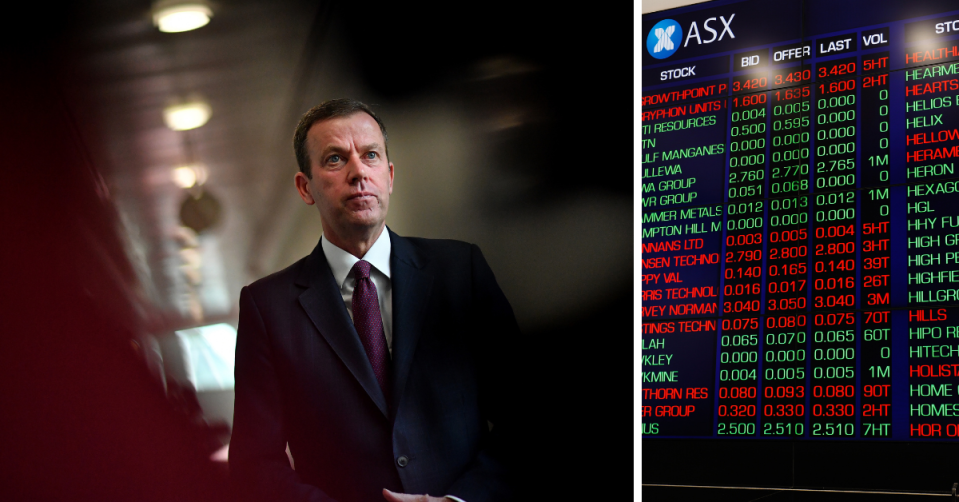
(664, 39)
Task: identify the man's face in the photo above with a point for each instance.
(352, 178)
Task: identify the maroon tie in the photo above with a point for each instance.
(369, 324)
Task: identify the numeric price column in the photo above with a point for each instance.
(738, 366)
(834, 241)
(787, 279)
(747, 143)
(833, 399)
(743, 263)
(834, 363)
(784, 375)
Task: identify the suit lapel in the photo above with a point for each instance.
(324, 305)
(411, 292)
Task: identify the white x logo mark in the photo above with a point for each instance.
(662, 38)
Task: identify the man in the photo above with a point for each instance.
(382, 361)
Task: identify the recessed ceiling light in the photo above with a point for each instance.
(183, 17)
(186, 116)
(184, 176)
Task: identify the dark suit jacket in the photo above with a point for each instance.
(303, 377)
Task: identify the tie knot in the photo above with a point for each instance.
(361, 270)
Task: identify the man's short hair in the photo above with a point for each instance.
(331, 109)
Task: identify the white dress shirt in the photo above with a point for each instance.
(341, 264)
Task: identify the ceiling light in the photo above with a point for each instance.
(183, 17)
(184, 176)
(190, 175)
(187, 116)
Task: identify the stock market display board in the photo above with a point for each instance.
(800, 221)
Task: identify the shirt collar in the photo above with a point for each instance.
(341, 261)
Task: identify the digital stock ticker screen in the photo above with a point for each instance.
(800, 221)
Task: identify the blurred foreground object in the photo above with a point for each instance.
(84, 416)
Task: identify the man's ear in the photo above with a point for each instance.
(391, 178)
(303, 188)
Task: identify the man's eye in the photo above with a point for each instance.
(334, 158)
(371, 155)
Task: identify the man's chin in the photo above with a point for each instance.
(365, 221)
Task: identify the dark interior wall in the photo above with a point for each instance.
(582, 86)
(578, 408)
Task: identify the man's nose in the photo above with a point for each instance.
(357, 168)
